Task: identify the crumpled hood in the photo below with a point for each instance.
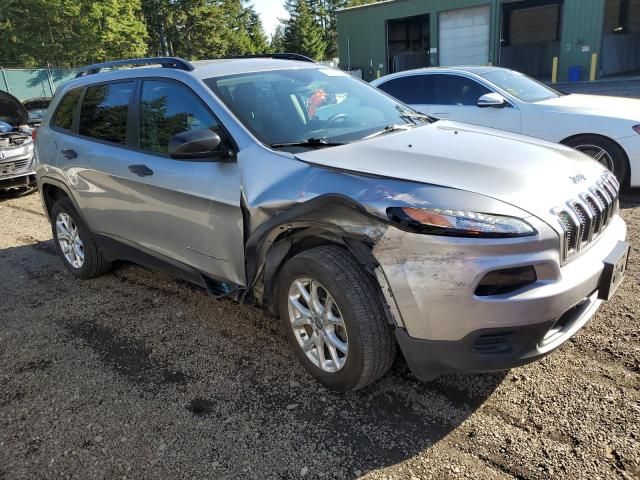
(525, 172)
(12, 111)
(616, 107)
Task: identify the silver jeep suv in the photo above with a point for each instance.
(361, 223)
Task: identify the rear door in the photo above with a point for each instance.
(455, 97)
(94, 155)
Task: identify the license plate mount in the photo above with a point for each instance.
(615, 267)
(7, 168)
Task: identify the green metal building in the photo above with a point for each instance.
(525, 35)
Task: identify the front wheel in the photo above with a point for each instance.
(333, 317)
(606, 152)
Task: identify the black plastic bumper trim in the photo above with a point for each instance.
(429, 359)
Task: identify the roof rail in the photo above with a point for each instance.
(166, 62)
(278, 56)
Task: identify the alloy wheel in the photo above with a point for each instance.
(69, 240)
(599, 154)
(318, 325)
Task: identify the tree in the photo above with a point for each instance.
(197, 29)
(156, 14)
(70, 32)
(258, 38)
(302, 33)
(276, 43)
(200, 29)
(325, 14)
(245, 33)
(78, 32)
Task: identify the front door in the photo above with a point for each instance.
(191, 209)
(455, 97)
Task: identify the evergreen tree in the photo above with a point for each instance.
(70, 32)
(276, 43)
(256, 32)
(325, 11)
(78, 32)
(302, 32)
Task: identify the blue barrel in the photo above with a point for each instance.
(575, 73)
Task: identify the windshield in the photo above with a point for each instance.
(520, 86)
(296, 105)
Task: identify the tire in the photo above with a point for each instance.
(93, 263)
(615, 159)
(365, 331)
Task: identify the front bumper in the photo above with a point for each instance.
(442, 324)
(495, 349)
(27, 179)
(17, 167)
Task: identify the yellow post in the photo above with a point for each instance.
(554, 71)
(594, 64)
(377, 73)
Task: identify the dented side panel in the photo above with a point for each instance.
(283, 196)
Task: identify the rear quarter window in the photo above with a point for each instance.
(104, 112)
(64, 114)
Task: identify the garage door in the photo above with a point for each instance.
(464, 36)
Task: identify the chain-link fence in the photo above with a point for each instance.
(25, 83)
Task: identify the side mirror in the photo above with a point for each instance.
(201, 144)
(492, 100)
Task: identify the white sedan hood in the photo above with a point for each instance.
(527, 173)
(615, 107)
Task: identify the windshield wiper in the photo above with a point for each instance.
(391, 129)
(309, 142)
(414, 115)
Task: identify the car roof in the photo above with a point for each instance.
(232, 66)
(203, 69)
(472, 69)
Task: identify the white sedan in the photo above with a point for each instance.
(605, 128)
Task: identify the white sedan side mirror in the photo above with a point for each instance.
(494, 100)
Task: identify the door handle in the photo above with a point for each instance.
(140, 170)
(69, 153)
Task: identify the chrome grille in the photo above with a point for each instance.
(584, 218)
(9, 168)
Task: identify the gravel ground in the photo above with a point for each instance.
(137, 375)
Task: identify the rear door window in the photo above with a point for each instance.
(456, 90)
(104, 112)
(66, 110)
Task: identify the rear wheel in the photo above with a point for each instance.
(333, 318)
(73, 240)
(605, 151)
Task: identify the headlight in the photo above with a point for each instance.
(459, 223)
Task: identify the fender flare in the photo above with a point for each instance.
(46, 180)
(270, 244)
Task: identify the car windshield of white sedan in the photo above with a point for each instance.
(520, 86)
(311, 108)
